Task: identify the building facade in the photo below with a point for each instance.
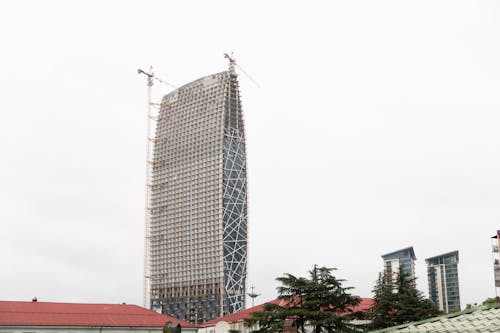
(401, 259)
(198, 202)
(442, 274)
(495, 245)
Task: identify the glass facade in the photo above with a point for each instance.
(404, 259)
(442, 274)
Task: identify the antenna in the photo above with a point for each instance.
(253, 295)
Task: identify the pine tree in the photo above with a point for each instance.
(399, 302)
(319, 302)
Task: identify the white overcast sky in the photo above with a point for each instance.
(375, 127)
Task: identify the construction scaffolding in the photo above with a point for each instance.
(151, 118)
(196, 201)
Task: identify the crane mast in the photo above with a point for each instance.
(147, 212)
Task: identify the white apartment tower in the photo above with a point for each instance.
(198, 202)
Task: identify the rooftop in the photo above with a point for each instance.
(410, 248)
(485, 318)
(13, 313)
(449, 254)
(364, 305)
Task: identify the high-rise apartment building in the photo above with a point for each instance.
(198, 202)
(442, 274)
(404, 259)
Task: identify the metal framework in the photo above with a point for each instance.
(198, 202)
(147, 214)
(234, 219)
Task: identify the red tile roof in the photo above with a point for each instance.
(80, 314)
(242, 314)
(364, 306)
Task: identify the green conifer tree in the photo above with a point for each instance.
(318, 302)
(398, 302)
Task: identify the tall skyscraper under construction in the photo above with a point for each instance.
(198, 201)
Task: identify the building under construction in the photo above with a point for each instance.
(197, 202)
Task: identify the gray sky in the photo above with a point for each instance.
(375, 128)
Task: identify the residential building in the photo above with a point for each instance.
(197, 231)
(442, 274)
(404, 259)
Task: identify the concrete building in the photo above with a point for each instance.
(47, 317)
(496, 260)
(404, 258)
(198, 202)
(442, 274)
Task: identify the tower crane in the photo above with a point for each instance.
(233, 64)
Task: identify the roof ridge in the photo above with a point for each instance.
(90, 312)
(81, 315)
(49, 302)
